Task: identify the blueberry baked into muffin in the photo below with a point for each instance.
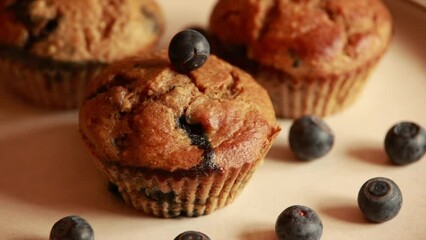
(313, 56)
(50, 49)
(177, 144)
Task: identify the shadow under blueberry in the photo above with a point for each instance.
(264, 234)
(348, 213)
(372, 155)
(50, 167)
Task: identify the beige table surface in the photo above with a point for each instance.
(46, 173)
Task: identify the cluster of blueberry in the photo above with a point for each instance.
(379, 199)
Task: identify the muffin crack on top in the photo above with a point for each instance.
(123, 82)
(143, 96)
(128, 102)
(228, 90)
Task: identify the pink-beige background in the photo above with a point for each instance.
(46, 172)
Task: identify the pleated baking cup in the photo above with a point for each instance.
(173, 196)
(320, 96)
(50, 85)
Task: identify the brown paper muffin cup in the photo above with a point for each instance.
(321, 96)
(172, 196)
(50, 85)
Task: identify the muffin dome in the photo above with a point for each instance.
(312, 56)
(80, 30)
(50, 49)
(177, 144)
(305, 37)
(142, 113)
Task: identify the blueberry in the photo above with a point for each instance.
(113, 188)
(192, 235)
(379, 199)
(71, 228)
(405, 142)
(188, 50)
(298, 223)
(310, 137)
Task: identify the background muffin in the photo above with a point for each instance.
(177, 144)
(49, 49)
(313, 56)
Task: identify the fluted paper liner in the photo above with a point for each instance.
(48, 87)
(189, 196)
(320, 96)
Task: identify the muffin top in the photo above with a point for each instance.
(140, 112)
(305, 37)
(80, 30)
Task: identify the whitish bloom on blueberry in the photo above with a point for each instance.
(405, 142)
(298, 222)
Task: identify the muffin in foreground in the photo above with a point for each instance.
(177, 144)
(50, 49)
(313, 57)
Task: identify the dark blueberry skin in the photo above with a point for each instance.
(298, 223)
(201, 30)
(112, 188)
(405, 143)
(310, 138)
(72, 228)
(379, 199)
(192, 235)
(188, 50)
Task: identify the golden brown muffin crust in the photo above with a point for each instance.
(305, 37)
(142, 113)
(80, 30)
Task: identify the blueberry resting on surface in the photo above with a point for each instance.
(298, 223)
(310, 137)
(192, 235)
(379, 199)
(188, 50)
(72, 228)
(405, 142)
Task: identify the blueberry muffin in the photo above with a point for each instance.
(177, 144)
(313, 56)
(50, 49)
